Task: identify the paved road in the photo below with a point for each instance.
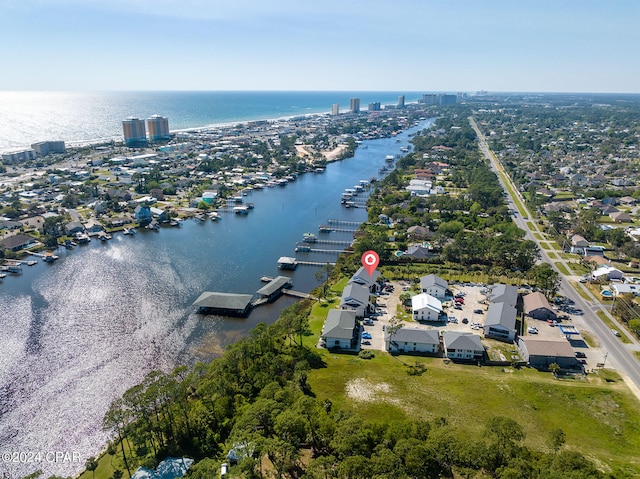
(618, 355)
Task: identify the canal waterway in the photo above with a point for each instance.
(77, 333)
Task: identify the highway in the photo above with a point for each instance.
(617, 354)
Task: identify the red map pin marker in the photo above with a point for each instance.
(370, 260)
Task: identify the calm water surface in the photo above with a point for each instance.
(76, 334)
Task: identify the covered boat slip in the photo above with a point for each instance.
(274, 288)
(226, 304)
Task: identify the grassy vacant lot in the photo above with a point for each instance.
(599, 415)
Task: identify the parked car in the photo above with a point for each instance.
(367, 322)
(478, 311)
(366, 335)
(532, 330)
(465, 320)
(580, 354)
(615, 332)
(366, 342)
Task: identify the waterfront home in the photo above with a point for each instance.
(73, 227)
(500, 322)
(142, 214)
(434, 285)
(18, 242)
(412, 340)
(340, 330)
(93, 226)
(540, 353)
(425, 307)
(462, 346)
(362, 277)
(355, 297)
(537, 306)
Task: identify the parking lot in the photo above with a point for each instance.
(472, 308)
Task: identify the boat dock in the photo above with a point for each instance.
(315, 263)
(343, 222)
(334, 242)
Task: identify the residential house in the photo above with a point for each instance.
(355, 297)
(18, 242)
(340, 330)
(418, 232)
(540, 353)
(462, 346)
(362, 277)
(500, 322)
(621, 217)
(416, 252)
(578, 244)
(10, 225)
(412, 340)
(73, 227)
(625, 288)
(426, 308)
(434, 285)
(592, 251)
(143, 214)
(628, 201)
(537, 306)
(607, 272)
(93, 226)
(159, 214)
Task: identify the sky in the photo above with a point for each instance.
(348, 45)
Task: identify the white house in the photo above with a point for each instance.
(625, 288)
(607, 272)
(464, 346)
(355, 297)
(434, 285)
(340, 330)
(411, 340)
(426, 307)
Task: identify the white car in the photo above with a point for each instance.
(532, 330)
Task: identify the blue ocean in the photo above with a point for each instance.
(81, 117)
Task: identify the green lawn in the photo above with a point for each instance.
(538, 236)
(545, 246)
(610, 324)
(561, 267)
(531, 226)
(552, 255)
(595, 415)
(580, 291)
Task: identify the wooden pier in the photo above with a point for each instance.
(343, 222)
(343, 230)
(316, 263)
(298, 294)
(334, 242)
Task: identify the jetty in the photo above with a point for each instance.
(343, 222)
(273, 289)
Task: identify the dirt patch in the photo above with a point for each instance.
(363, 390)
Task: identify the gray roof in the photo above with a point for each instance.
(466, 341)
(502, 293)
(433, 280)
(357, 292)
(17, 240)
(363, 277)
(274, 285)
(230, 301)
(339, 324)
(501, 314)
(422, 336)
